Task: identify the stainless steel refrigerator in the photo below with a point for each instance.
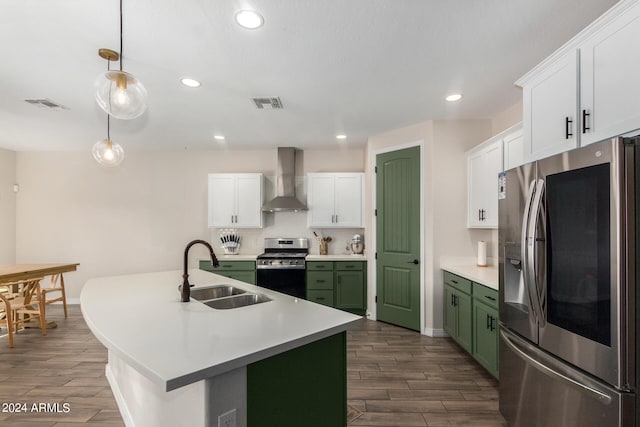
(567, 274)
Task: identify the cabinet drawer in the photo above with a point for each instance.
(457, 282)
(485, 294)
(321, 297)
(349, 265)
(322, 265)
(235, 265)
(320, 280)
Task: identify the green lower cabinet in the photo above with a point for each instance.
(304, 386)
(485, 336)
(471, 319)
(457, 316)
(320, 296)
(244, 271)
(350, 291)
(339, 284)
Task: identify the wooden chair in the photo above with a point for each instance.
(23, 307)
(55, 287)
(5, 312)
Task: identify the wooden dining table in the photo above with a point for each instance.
(15, 272)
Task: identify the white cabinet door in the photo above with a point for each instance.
(348, 200)
(484, 163)
(513, 149)
(235, 200)
(493, 157)
(320, 200)
(335, 200)
(610, 80)
(549, 109)
(222, 200)
(249, 200)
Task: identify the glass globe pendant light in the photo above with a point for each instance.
(106, 152)
(119, 93)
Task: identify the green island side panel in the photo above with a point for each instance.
(306, 386)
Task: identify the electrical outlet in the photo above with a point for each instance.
(228, 419)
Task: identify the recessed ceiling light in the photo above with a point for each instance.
(218, 137)
(188, 81)
(249, 19)
(341, 136)
(454, 97)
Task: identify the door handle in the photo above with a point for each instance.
(415, 261)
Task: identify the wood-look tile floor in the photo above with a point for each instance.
(65, 367)
(396, 377)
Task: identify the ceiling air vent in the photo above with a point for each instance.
(46, 103)
(267, 103)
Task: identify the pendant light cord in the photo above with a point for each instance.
(121, 35)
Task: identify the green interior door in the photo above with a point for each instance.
(398, 237)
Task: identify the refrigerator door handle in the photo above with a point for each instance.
(529, 243)
(526, 218)
(567, 376)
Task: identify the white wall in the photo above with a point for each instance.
(445, 199)
(7, 207)
(138, 217)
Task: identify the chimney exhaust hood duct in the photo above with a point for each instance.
(285, 199)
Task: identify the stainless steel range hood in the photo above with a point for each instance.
(285, 199)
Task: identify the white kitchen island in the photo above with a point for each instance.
(173, 363)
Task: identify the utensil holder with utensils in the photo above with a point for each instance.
(230, 240)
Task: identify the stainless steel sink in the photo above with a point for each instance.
(237, 301)
(213, 292)
(224, 297)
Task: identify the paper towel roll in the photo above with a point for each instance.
(482, 253)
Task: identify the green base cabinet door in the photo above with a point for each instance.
(350, 291)
(457, 316)
(485, 330)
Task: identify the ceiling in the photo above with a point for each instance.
(358, 67)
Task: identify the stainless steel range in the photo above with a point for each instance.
(282, 265)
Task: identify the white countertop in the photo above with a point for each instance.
(336, 257)
(141, 318)
(487, 276)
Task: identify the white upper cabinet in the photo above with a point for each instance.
(335, 200)
(609, 79)
(583, 93)
(484, 163)
(549, 109)
(235, 200)
(513, 141)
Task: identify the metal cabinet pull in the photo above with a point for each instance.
(567, 123)
(336, 218)
(320, 281)
(489, 298)
(584, 121)
(415, 261)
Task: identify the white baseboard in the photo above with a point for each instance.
(122, 405)
(436, 333)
